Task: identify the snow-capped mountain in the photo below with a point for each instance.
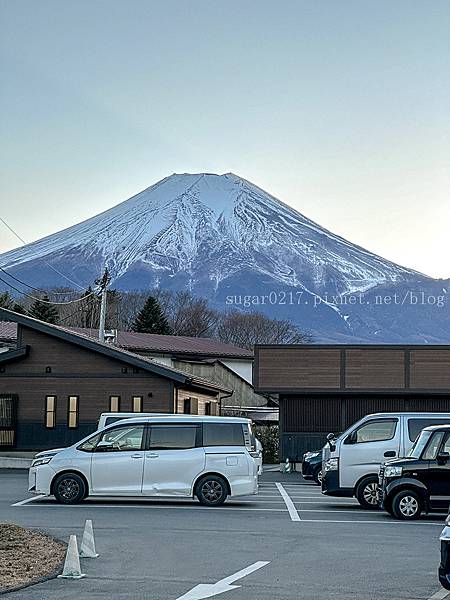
(224, 238)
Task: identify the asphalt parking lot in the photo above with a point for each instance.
(296, 543)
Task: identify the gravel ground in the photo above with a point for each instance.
(26, 556)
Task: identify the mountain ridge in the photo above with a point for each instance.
(218, 235)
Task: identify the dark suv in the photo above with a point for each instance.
(421, 481)
(312, 466)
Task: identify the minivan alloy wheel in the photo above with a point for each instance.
(69, 489)
(212, 490)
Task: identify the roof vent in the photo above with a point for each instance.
(111, 336)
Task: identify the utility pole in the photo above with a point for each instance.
(103, 283)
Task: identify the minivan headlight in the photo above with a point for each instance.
(41, 461)
(392, 471)
(332, 464)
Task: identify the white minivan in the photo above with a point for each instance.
(352, 460)
(171, 455)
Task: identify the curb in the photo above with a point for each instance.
(8, 462)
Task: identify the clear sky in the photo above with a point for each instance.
(339, 108)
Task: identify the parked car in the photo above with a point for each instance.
(444, 566)
(352, 460)
(108, 418)
(421, 481)
(312, 466)
(171, 455)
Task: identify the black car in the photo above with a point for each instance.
(312, 466)
(421, 481)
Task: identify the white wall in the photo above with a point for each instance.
(243, 368)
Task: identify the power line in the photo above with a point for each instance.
(35, 288)
(48, 264)
(46, 301)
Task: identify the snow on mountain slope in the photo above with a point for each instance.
(220, 235)
(186, 222)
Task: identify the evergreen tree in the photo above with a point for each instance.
(43, 311)
(18, 308)
(151, 319)
(6, 301)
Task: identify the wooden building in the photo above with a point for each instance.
(55, 383)
(325, 389)
(224, 364)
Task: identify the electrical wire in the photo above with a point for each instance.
(47, 301)
(48, 264)
(35, 288)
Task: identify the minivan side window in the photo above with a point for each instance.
(90, 444)
(415, 426)
(124, 438)
(223, 434)
(173, 437)
(376, 431)
(431, 450)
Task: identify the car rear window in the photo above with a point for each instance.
(223, 434)
(173, 437)
(415, 426)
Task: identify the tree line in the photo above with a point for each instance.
(160, 312)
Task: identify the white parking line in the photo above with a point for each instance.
(90, 505)
(439, 595)
(28, 500)
(289, 504)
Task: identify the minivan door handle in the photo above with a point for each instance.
(152, 455)
(136, 456)
(390, 453)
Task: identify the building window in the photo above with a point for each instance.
(50, 411)
(114, 404)
(137, 404)
(72, 419)
(187, 406)
(207, 408)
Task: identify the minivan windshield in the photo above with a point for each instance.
(419, 444)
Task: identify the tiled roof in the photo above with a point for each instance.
(149, 342)
(113, 351)
(8, 330)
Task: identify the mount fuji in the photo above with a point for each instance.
(223, 238)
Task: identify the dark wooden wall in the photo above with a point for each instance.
(298, 368)
(327, 388)
(75, 371)
(306, 421)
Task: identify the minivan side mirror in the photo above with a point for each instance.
(442, 458)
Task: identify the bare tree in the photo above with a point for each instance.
(247, 329)
(188, 315)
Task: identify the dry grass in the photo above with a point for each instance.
(26, 556)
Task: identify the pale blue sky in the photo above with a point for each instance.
(339, 108)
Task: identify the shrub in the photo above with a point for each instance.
(268, 435)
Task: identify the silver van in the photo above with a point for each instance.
(351, 460)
